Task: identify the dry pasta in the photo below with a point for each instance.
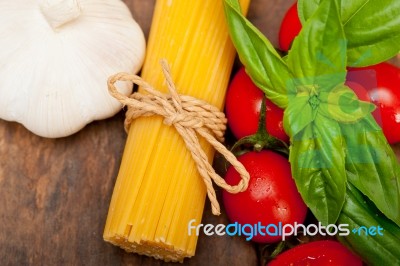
(158, 189)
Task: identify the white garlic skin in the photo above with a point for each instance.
(53, 74)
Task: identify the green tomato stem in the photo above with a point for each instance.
(262, 139)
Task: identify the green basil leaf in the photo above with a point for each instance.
(298, 114)
(318, 54)
(375, 248)
(372, 166)
(372, 28)
(262, 62)
(317, 159)
(343, 105)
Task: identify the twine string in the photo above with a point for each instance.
(192, 118)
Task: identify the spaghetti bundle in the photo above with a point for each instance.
(158, 188)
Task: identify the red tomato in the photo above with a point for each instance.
(271, 197)
(382, 82)
(317, 253)
(243, 105)
(290, 28)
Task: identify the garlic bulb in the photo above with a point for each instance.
(56, 56)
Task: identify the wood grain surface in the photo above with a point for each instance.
(54, 193)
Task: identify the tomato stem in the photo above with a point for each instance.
(279, 248)
(269, 252)
(262, 139)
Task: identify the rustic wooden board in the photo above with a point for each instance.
(54, 193)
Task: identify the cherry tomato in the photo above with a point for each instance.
(317, 253)
(271, 197)
(243, 105)
(290, 28)
(382, 82)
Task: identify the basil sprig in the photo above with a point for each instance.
(334, 139)
(318, 61)
(372, 28)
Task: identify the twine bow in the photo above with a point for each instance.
(191, 117)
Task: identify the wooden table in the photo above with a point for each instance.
(54, 193)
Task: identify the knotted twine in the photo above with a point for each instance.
(190, 117)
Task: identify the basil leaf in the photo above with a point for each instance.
(372, 28)
(262, 62)
(343, 105)
(318, 54)
(298, 114)
(317, 160)
(372, 166)
(376, 248)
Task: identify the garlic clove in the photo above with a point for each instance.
(54, 82)
(59, 12)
